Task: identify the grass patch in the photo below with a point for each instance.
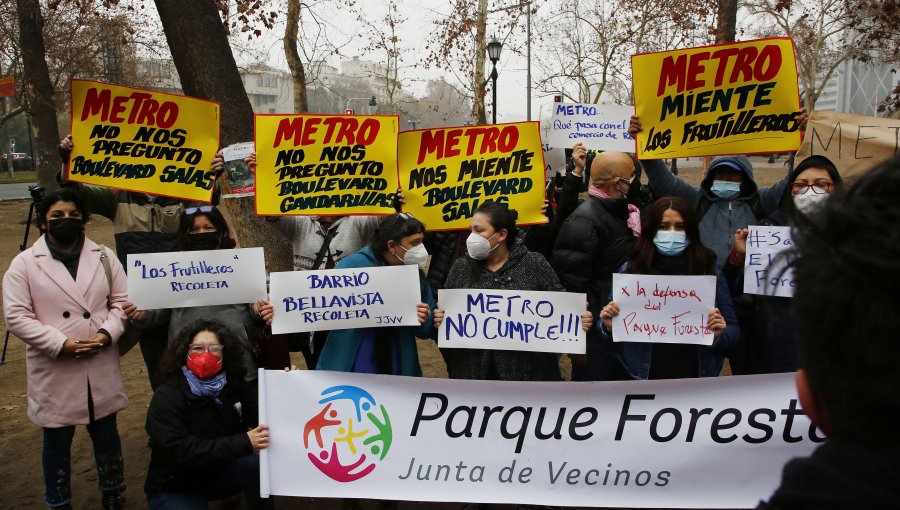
(21, 176)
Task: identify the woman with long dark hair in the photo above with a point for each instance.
(204, 228)
(670, 245)
(388, 350)
(63, 297)
(498, 259)
(203, 423)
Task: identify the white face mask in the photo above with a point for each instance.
(417, 255)
(809, 201)
(479, 248)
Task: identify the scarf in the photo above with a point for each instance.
(205, 387)
(634, 214)
(68, 258)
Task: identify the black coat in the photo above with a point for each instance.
(592, 245)
(193, 437)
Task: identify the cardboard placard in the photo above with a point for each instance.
(854, 143)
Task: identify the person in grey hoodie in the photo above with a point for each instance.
(728, 198)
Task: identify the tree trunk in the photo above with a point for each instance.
(726, 22)
(479, 82)
(38, 92)
(207, 69)
(298, 74)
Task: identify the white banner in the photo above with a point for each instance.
(663, 309)
(196, 278)
(366, 297)
(766, 268)
(688, 443)
(597, 126)
(512, 320)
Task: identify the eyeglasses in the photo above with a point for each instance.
(194, 210)
(214, 349)
(798, 188)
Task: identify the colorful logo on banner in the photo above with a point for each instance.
(349, 436)
(736, 98)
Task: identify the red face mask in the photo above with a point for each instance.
(204, 365)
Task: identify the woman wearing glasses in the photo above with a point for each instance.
(203, 423)
(387, 350)
(766, 323)
(204, 228)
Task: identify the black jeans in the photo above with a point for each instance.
(241, 474)
(57, 459)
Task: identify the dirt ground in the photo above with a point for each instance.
(21, 440)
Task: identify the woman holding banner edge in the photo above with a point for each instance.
(387, 350)
(670, 245)
(498, 259)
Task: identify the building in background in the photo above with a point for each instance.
(857, 87)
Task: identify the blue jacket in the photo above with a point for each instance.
(342, 346)
(723, 217)
(635, 356)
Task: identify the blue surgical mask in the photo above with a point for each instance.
(726, 190)
(670, 242)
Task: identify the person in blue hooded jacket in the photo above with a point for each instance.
(728, 198)
(387, 350)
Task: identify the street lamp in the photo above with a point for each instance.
(372, 107)
(493, 48)
(414, 123)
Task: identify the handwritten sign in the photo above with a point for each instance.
(196, 278)
(663, 309)
(511, 320)
(368, 297)
(854, 143)
(767, 266)
(726, 99)
(142, 140)
(597, 126)
(447, 173)
(326, 164)
(240, 180)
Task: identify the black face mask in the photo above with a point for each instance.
(204, 241)
(65, 230)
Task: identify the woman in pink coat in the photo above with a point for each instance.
(61, 301)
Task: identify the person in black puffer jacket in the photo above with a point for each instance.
(203, 425)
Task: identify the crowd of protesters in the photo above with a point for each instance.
(66, 297)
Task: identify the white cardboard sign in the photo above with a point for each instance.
(597, 126)
(512, 320)
(366, 297)
(663, 309)
(196, 278)
(766, 266)
(687, 443)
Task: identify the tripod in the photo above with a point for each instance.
(37, 195)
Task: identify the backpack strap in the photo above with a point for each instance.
(325, 244)
(104, 259)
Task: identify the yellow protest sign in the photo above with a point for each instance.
(737, 98)
(854, 143)
(326, 164)
(142, 140)
(447, 173)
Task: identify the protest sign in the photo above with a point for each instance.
(512, 320)
(447, 173)
(143, 140)
(326, 164)
(240, 180)
(735, 98)
(367, 297)
(196, 278)
(688, 443)
(767, 264)
(854, 143)
(663, 309)
(598, 126)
